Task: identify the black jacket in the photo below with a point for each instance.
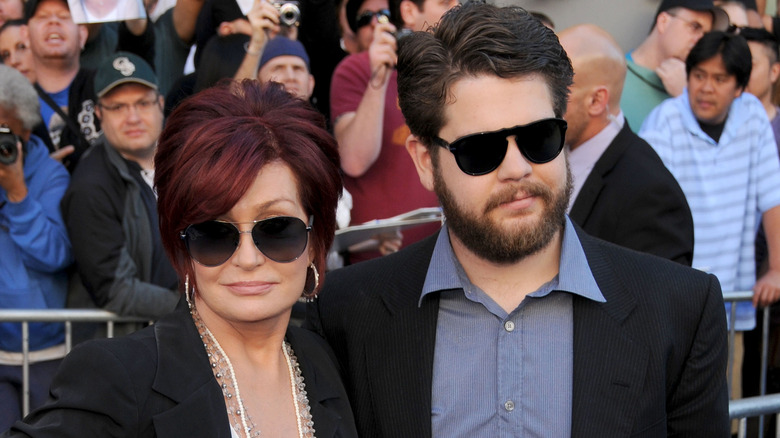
(113, 240)
(157, 382)
(649, 362)
(631, 199)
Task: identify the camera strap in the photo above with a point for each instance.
(53, 105)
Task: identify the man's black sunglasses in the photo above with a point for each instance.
(481, 153)
(282, 239)
(365, 18)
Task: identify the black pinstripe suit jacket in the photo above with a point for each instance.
(650, 362)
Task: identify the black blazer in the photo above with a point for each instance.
(631, 199)
(649, 361)
(157, 382)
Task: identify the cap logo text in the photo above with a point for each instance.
(124, 66)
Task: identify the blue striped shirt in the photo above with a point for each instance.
(504, 375)
(728, 185)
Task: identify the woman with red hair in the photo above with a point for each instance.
(247, 179)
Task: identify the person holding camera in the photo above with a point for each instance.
(248, 180)
(34, 246)
(370, 128)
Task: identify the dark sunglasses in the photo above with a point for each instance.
(365, 18)
(282, 239)
(481, 153)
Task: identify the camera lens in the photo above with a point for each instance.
(8, 153)
(289, 14)
(8, 150)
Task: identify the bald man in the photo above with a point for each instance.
(623, 193)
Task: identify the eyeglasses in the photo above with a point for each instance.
(141, 106)
(694, 26)
(479, 154)
(282, 239)
(365, 18)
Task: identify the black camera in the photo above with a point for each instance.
(8, 150)
(289, 12)
(399, 34)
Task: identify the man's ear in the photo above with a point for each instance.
(598, 101)
(83, 35)
(774, 72)
(662, 21)
(409, 12)
(422, 159)
(311, 84)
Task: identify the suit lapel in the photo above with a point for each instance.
(194, 416)
(594, 183)
(184, 376)
(400, 355)
(401, 371)
(609, 366)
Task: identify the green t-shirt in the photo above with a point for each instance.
(643, 91)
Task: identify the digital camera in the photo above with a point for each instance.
(8, 150)
(289, 12)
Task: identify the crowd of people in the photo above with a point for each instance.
(579, 186)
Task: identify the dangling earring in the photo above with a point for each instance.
(312, 276)
(187, 290)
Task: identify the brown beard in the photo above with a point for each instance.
(489, 242)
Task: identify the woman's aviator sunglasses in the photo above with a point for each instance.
(282, 239)
(479, 154)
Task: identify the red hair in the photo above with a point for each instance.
(216, 142)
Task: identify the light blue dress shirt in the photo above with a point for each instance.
(505, 375)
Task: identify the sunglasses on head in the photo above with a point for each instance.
(365, 18)
(481, 153)
(282, 239)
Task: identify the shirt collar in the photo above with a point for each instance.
(583, 158)
(735, 118)
(575, 276)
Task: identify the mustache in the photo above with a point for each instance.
(527, 188)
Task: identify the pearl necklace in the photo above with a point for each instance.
(223, 370)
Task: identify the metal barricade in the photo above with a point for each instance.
(67, 316)
(738, 409)
(744, 408)
(753, 406)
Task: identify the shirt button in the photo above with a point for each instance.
(509, 326)
(509, 406)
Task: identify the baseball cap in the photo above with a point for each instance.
(122, 68)
(281, 46)
(720, 20)
(30, 6)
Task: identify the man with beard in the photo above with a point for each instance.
(511, 320)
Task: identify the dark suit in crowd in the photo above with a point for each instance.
(631, 199)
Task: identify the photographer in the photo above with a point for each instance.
(34, 246)
(370, 128)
